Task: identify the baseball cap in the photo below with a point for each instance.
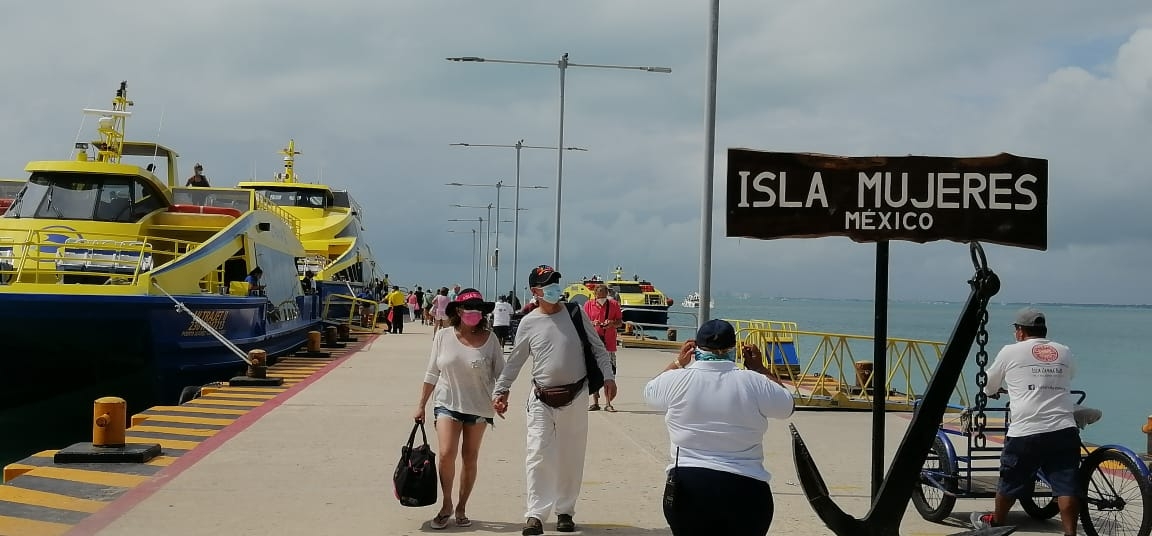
(543, 275)
(1029, 317)
(716, 334)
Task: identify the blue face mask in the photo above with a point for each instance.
(705, 355)
(552, 293)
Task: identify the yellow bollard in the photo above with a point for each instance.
(259, 367)
(344, 331)
(331, 338)
(109, 419)
(313, 341)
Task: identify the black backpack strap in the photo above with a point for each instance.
(578, 321)
(412, 437)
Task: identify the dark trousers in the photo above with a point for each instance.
(710, 502)
(398, 318)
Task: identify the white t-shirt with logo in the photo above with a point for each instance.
(1038, 376)
(502, 314)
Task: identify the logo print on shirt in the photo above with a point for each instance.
(1045, 353)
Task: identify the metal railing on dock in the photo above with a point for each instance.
(832, 376)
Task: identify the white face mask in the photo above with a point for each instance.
(601, 301)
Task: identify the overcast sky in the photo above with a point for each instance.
(363, 87)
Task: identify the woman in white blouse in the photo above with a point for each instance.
(462, 371)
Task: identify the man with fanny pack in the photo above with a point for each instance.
(557, 427)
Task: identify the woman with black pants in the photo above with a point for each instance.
(717, 414)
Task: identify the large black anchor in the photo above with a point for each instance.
(888, 507)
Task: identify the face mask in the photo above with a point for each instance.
(552, 293)
(704, 355)
(470, 318)
(601, 301)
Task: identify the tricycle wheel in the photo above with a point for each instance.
(1114, 490)
(936, 494)
(1049, 509)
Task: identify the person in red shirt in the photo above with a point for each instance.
(606, 316)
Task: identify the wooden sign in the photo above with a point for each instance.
(1001, 199)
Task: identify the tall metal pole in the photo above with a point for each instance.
(879, 366)
(516, 227)
(496, 250)
(475, 237)
(709, 164)
(563, 65)
(488, 249)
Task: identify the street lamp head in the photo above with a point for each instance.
(466, 58)
(453, 184)
(658, 69)
(575, 149)
(460, 144)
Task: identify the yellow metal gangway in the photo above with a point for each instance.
(832, 376)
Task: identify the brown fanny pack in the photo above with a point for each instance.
(558, 397)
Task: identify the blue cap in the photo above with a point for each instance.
(716, 335)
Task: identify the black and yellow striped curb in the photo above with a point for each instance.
(43, 498)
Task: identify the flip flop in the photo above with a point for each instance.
(440, 521)
(463, 521)
(594, 407)
(609, 408)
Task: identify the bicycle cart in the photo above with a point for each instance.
(1114, 482)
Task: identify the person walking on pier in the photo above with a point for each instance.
(397, 301)
(1042, 433)
(606, 316)
(557, 427)
(502, 320)
(717, 415)
(462, 372)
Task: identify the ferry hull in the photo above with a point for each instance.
(61, 343)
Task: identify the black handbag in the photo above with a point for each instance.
(415, 480)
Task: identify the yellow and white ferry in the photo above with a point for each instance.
(95, 252)
(640, 301)
(331, 228)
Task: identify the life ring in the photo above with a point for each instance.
(5, 202)
(204, 209)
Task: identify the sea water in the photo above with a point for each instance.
(1106, 340)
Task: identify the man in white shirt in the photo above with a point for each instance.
(557, 427)
(1042, 434)
(502, 320)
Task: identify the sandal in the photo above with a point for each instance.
(463, 521)
(594, 407)
(440, 521)
(609, 408)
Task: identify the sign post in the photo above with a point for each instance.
(1001, 199)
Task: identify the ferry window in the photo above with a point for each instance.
(28, 199)
(316, 201)
(145, 200)
(115, 201)
(627, 288)
(340, 199)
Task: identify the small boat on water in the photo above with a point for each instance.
(692, 301)
(331, 229)
(96, 252)
(640, 301)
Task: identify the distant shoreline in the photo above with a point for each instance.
(738, 296)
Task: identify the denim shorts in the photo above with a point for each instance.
(1056, 453)
(465, 418)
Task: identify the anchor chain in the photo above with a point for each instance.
(981, 420)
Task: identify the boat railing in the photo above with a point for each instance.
(833, 376)
(358, 313)
(262, 203)
(97, 258)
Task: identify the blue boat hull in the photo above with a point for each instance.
(59, 343)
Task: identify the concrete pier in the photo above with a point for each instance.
(321, 462)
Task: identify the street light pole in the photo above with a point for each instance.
(516, 218)
(496, 250)
(563, 64)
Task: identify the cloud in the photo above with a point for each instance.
(364, 90)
